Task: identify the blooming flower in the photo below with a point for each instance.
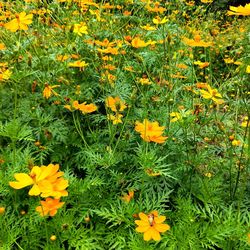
(158, 20)
(127, 197)
(21, 22)
(196, 42)
(2, 46)
(138, 43)
(115, 118)
(115, 104)
(2, 210)
(248, 69)
(240, 10)
(151, 225)
(84, 108)
(48, 90)
(45, 180)
(212, 94)
(80, 28)
(150, 131)
(78, 64)
(201, 64)
(49, 207)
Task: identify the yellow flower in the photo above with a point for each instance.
(83, 107)
(78, 64)
(2, 210)
(2, 46)
(48, 90)
(228, 60)
(245, 122)
(80, 28)
(207, 1)
(212, 94)
(248, 69)
(115, 104)
(148, 27)
(158, 20)
(138, 43)
(196, 42)
(49, 207)
(5, 74)
(21, 22)
(52, 237)
(145, 81)
(45, 180)
(151, 225)
(236, 142)
(150, 131)
(201, 64)
(240, 10)
(115, 118)
(175, 116)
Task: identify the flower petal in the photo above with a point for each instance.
(142, 223)
(161, 227)
(34, 190)
(148, 234)
(23, 180)
(142, 229)
(155, 234)
(159, 219)
(143, 216)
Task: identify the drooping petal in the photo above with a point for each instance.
(161, 227)
(23, 180)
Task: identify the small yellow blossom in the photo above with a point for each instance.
(80, 28)
(115, 104)
(78, 64)
(48, 90)
(245, 122)
(212, 94)
(128, 197)
(21, 22)
(207, 1)
(150, 131)
(2, 210)
(115, 118)
(2, 46)
(158, 20)
(148, 27)
(201, 64)
(138, 43)
(248, 69)
(151, 225)
(52, 238)
(236, 142)
(196, 42)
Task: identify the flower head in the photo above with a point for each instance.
(48, 90)
(150, 131)
(240, 10)
(196, 42)
(80, 29)
(115, 103)
(212, 94)
(20, 22)
(151, 225)
(49, 207)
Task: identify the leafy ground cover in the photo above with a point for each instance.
(124, 125)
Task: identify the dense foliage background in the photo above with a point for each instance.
(183, 64)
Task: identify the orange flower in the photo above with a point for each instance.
(138, 43)
(2, 210)
(151, 225)
(115, 104)
(45, 180)
(20, 22)
(150, 131)
(83, 107)
(48, 90)
(127, 197)
(49, 207)
(78, 64)
(196, 42)
(2, 46)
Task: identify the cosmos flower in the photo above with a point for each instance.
(49, 207)
(150, 131)
(151, 225)
(21, 22)
(240, 10)
(196, 42)
(212, 94)
(115, 103)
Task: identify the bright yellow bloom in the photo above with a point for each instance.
(115, 118)
(248, 69)
(176, 116)
(5, 74)
(45, 180)
(115, 104)
(48, 90)
(207, 1)
(240, 10)
(150, 131)
(145, 81)
(78, 64)
(158, 20)
(196, 42)
(201, 64)
(21, 22)
(236, 142)
(148, 27)
(83, 107)
(245, 122)
(151, 225)
(2, 46)
(49, 207)
(138, 43)
(212, 94)
(80, 28)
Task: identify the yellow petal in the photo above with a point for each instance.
(161, 227)
(155, 234)
(143, 216)
(34, 190)
(23, 180)
(148, 235)
(159, 219)
(142, 229)
(142, 223)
